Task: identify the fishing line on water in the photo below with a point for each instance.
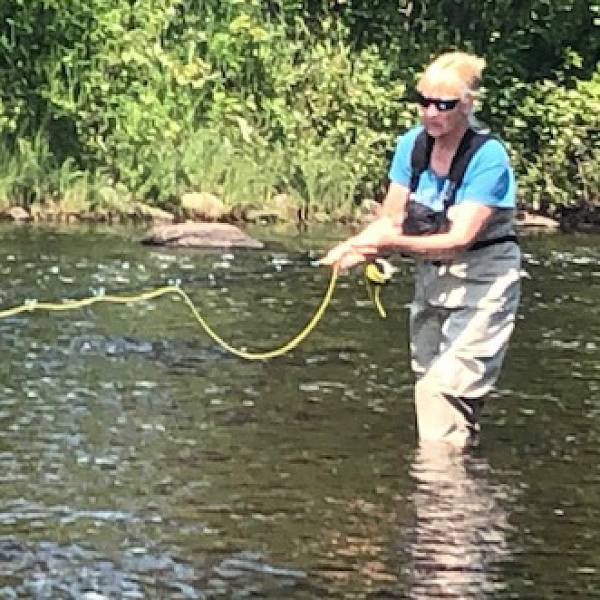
(375, 277)
(30, 306)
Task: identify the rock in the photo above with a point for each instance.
(151, 213)
(278, 208)
(16, 213)
(36, 212)
(285, 207)
(203, 206)
(261, 216)
(239, 211)
(320, 217)
(529, 220)
(201, 235)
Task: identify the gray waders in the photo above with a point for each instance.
(461, 319)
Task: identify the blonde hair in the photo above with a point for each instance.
(455, 73)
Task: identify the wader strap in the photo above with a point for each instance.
(497, 240)
(421, 155)
(419, 158)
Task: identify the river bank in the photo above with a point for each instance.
(280, 208)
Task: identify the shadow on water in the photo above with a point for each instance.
(139, 460)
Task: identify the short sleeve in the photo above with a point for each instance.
(489, 178)
(400, 169)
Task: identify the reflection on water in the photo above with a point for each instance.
(460, 536)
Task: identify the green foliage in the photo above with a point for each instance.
(331, 111)
(30, 174)
(24, 171)
(236, 172)
(527, 35)
(556, 134)
(243, 98)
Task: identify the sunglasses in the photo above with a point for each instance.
(439, 103)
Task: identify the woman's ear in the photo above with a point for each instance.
(466, 105)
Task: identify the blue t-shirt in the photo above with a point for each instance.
(489, 178)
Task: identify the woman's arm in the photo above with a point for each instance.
(391, 212)
(394, 203)
(466, 221)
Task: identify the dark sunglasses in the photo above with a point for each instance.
(439, 103)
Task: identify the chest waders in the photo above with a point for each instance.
(463, 311)
(422, 220)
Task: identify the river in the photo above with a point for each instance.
(140, 460)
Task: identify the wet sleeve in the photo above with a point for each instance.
(489, 178)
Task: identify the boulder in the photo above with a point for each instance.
(528, 220)
(286, 207)
(200, 235)
(16, 213)
(150, 213)
(203, 206)
(278, 208)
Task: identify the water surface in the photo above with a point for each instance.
(140, 460)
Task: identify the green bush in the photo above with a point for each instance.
(244, 98)
(554, 132)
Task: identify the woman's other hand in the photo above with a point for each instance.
(344, 255)
(356, 249)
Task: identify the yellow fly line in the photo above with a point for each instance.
(34, 305)
(376, 275)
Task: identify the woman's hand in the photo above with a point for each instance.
(346, 255)
(367, 243)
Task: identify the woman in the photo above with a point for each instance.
(467, 271)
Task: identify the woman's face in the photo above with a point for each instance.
(442, 118)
